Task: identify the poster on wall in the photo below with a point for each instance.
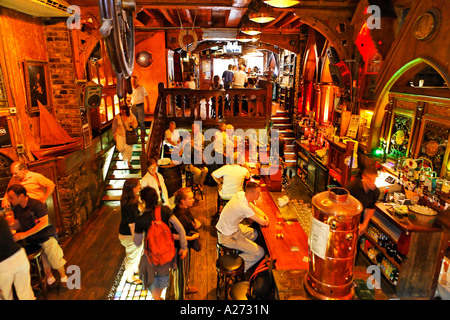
(5, 137)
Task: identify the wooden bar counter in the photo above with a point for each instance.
(290, 252)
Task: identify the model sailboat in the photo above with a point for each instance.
(55, 141)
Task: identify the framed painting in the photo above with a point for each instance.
(37, 84)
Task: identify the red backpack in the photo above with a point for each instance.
(159, 243)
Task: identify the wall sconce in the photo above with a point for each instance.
(282, 3)
(251, 28)
(144, 59)
(263, 15)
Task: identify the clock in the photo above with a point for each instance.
(425, 26)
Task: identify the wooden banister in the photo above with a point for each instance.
(211, 106)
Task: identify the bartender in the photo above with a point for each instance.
(364, 189)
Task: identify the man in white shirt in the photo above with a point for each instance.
(139, 102)
(239, 78)
(232, 234)
(171, 136)
(231, 179)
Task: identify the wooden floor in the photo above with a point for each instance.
(98, 253)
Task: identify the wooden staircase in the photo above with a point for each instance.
(117, 174)
(282, 121)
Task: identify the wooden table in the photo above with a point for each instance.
(291, 252)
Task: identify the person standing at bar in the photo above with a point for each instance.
(364, 189)
(235, 235)
(184, 200)
(240, 78)
(37, 186)
(139, 102)
(14, 267)
(227, 77)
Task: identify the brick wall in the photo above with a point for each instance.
(62, 76)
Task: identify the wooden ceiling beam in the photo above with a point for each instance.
(233, 18)
(287, 20)
(272, 23)
(156, 15)
(170, 17)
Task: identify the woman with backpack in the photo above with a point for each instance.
(159, 256)
(129, 209)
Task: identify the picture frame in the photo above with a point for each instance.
(37, 83)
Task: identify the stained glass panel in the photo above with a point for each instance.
(400, 136)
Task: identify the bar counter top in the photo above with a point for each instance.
(290, 252)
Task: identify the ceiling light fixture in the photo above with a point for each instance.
(263, 15)
(246, 38)
(251, 28)
(282, 3)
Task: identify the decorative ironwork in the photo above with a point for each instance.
(400, 136)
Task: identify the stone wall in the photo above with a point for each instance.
(62, 76)
(74, 201)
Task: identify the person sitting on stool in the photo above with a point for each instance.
(235, 235)
(32, 221)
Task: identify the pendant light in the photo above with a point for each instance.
(246, 38)
(263, 15)
(282, 3)
(251, 28)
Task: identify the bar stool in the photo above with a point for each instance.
(34, 253)
(221, 250)
(190, 183)
(229, 267)
(238, 290)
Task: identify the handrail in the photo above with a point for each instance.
(216, 105)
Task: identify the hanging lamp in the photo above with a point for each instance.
(264, 15)
(246, 38)
(251, 28)
(282, 3)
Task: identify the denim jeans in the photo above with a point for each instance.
(139, 113)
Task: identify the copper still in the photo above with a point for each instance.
(332, 245)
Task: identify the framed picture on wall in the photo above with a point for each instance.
(37, 84)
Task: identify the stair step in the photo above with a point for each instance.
(117, 185)
(111, 198)
(133, 158)
(125, 167)
(123, 176)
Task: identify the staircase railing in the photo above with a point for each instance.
(243, 108)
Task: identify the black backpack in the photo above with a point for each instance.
(261, 283)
